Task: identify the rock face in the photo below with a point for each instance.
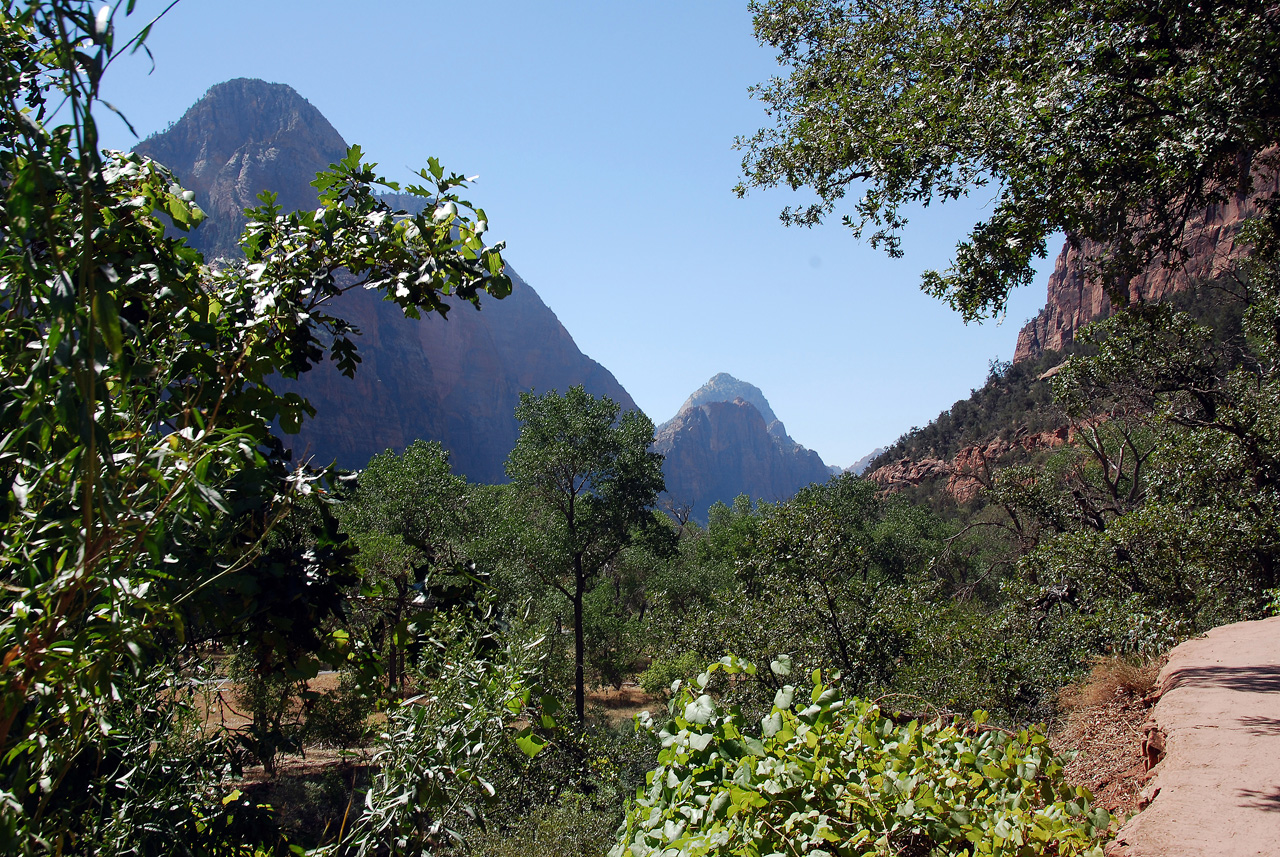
(243, 137)
(1073, 301)
(721, 444)
(455, 381)
(968, 471)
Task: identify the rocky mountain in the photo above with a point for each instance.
(1212, 238)
(726, 441)
(243, 137)
(860, 466)
(723, 387)
(455, 381)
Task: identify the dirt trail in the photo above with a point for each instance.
(1219, 782)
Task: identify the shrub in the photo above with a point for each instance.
(339, 718)
(658, 678)
(575, 826)
(837, 777)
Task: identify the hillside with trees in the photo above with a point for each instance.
(210, 647)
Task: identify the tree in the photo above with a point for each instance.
(140, 476)
(1111, 120)
(407, 518)
(592, 481)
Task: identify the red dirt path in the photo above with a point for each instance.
(1219, 781)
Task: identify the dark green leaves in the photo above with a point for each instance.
(1111, 121)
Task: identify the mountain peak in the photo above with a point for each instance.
(723, 387)
(242, 137)
(727, 441)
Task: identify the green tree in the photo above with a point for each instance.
(1111, 120)
(140, 478)
(408, 517)
(591, 482)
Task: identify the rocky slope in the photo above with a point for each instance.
(966, 473)
(1212, 238)
(726, 441)
(455, 381)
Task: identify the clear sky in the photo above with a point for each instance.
(603, 135)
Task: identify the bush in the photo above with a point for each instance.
(575, 826)
(273, 701)
(339, 718)
(658, 678)
(837, 777)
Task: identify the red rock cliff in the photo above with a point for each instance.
(1073, 301)
(716, 450)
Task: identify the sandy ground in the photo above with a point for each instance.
(1217, 789)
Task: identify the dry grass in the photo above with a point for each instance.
(622, 704)
(1110, 678)
(1104, 714)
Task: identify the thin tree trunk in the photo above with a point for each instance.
(579, 648)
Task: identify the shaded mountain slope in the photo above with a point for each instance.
(720, 445)
(455, 381)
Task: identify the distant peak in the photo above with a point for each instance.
(253, 91)
(723, 387)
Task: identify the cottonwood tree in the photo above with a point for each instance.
(407, 516)
(140, 477)
(1111, 120)
(590, 482)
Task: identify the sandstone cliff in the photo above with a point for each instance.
(718, 447)
(455, 381)
(1211, 239)
(969, 469)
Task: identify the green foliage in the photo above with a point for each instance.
(664, 672)
(141, 484)
(587, 482)
(1171, 506)
(408, 517)
(273, 699)
(157, 782)
(612, 635)
(1111, 121)
(835, 776)
(339, 717)
(574, 826)
(439, 749)
(838, 577)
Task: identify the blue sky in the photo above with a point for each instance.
(603, 134)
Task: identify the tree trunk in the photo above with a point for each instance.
(579, 648)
